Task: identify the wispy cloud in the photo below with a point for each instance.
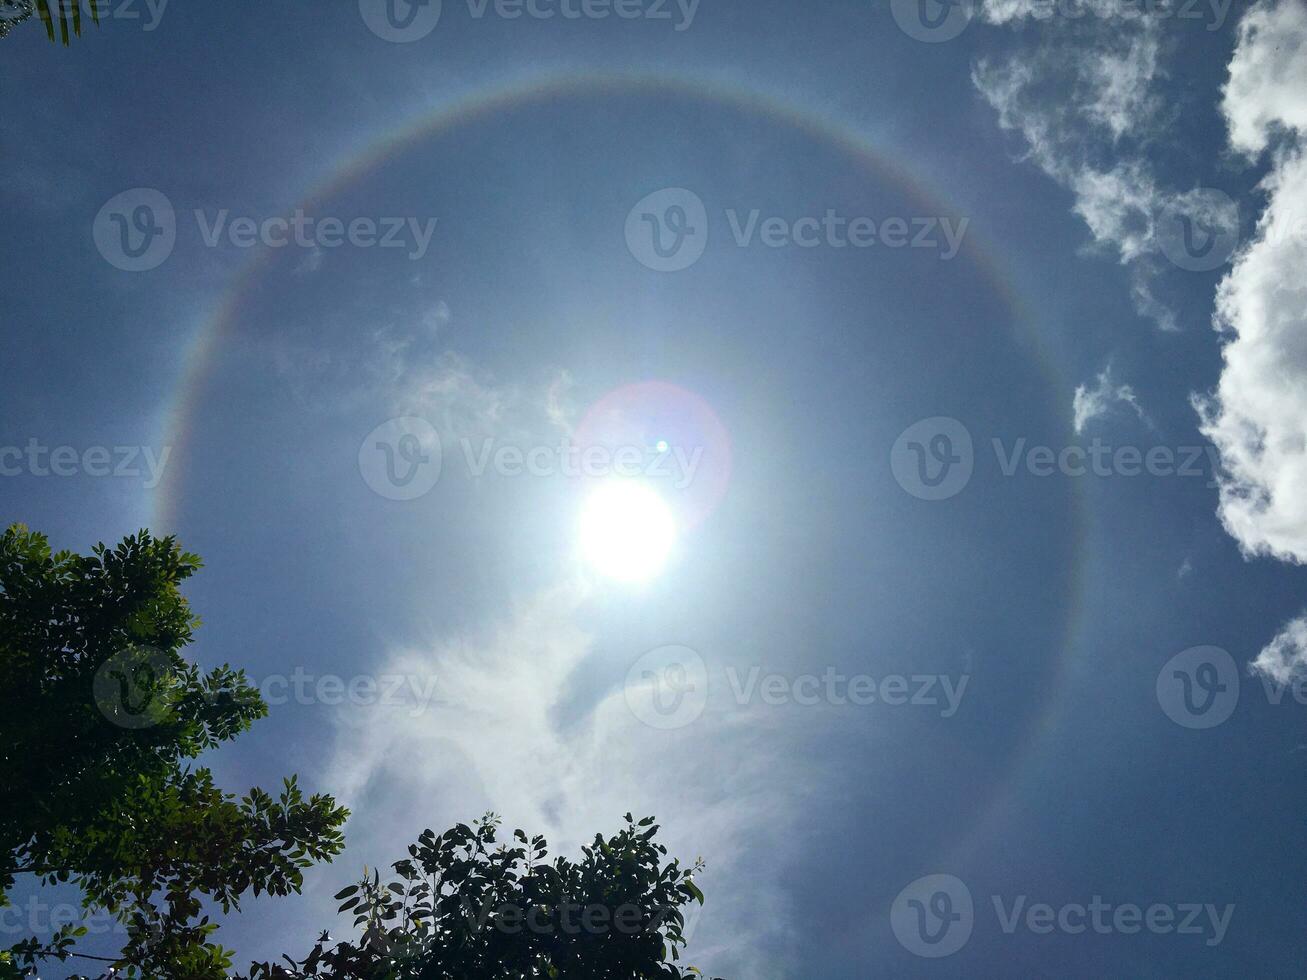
(1082, 95)
(1097, 401)
(520, 732)
(1284, 659)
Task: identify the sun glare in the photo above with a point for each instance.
(627, 531)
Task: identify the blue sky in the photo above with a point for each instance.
(921, 364)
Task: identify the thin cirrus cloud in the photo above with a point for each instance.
(1101, 398)
(1257, 416)
(1284, 659)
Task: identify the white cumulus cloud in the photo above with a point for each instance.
(1257, 416)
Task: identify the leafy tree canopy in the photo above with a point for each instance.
(464, 907)
(99, 715)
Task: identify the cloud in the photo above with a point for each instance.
(1257, 416)
(1090, 403)
(1267, 90)
(520, 731)
(1284, 659)
(1084, 100)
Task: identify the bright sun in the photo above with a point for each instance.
(627, 531)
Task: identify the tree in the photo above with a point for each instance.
(99, 715)
(465, 908)
(66, 13)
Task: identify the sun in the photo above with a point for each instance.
(627, 531)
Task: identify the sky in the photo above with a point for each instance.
(870, 437)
